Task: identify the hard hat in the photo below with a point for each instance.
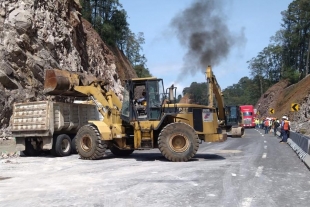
(284, 117)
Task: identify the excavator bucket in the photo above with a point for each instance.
(61, 82)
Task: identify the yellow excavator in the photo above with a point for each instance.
(175, 129)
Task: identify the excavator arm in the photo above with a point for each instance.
(236, 130)
(215, 89)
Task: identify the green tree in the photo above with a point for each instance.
(198, 93)
(86, 10)
(141, 71)
(296, 37)
(246, 91)
(110, 21)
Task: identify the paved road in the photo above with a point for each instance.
(254, 171)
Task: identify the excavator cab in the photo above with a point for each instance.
(138, 107)
(233, 120)
(232, 115)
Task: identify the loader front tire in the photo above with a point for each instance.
(120, 153)
(88, 143)
(178, 142)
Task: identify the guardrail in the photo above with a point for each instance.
(301, 145)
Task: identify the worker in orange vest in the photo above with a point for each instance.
(267, 124)
(285, 128)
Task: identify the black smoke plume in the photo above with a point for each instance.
(203, 30)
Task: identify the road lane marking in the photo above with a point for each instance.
(247, 202)
(265, 141)
(259, 171)
(264, 155)
(265, 147)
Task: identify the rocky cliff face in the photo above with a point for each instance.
(36, 35)
(281, 96)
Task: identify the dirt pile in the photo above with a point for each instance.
(281, 96)
(186, 99)
(39, 35)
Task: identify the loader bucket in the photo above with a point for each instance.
(60, 82)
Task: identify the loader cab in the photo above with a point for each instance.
(139, 107)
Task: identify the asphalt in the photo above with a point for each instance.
(255, 170)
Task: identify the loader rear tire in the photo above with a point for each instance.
(63, 145)
(178, 142)
(89, 144)
(121, 153)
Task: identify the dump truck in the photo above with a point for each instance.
(175, 129)
(49, 126)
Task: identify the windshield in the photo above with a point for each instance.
(247, 113)
(233, 112)
(156, 93)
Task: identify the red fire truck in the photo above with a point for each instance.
(248, 116)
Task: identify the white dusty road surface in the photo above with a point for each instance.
(249, 172)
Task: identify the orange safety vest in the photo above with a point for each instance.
(267, 123)
(286, 125)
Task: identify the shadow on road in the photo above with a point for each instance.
(207, 157)
(159, 157)
(147, 156)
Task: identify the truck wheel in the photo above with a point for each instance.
(121, 153)
(73, 146)
(63, 145)
(89, 144)
(178, 142)
(30, 150)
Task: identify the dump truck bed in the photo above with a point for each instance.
(44, 118)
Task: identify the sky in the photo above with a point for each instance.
(183, 37)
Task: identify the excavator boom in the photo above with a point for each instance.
(214, 88)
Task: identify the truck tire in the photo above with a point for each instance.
(73, 146)
(30, 150)
(89, 144)
(63, 145)
(178, 142)
(121, 153)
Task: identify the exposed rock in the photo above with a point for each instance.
(39, 35)
(270, 99)
(280, 97)
(9, 155)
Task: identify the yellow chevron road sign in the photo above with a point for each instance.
(294, 107)
(271, 111)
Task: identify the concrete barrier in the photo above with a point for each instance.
(301, 145)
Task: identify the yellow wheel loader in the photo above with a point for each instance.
(175, 129)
